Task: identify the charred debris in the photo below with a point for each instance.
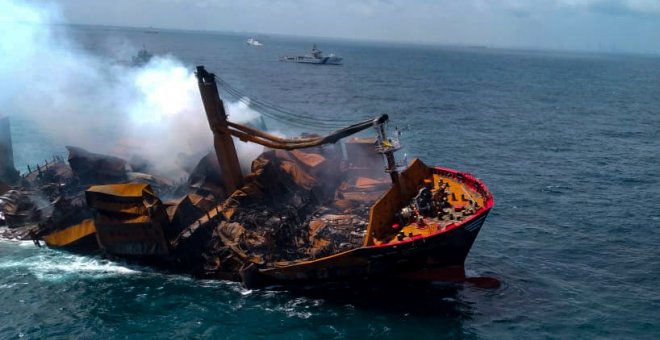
(301, 200)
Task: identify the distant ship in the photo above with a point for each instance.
(316, 57)
(253, 42)
(151, 30)
(142, 58)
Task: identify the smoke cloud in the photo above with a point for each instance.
(91, 101)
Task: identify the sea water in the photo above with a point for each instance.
(569, 144)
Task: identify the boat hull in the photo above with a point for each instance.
(442, 250)
(314, 61)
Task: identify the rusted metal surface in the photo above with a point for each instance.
(382, 213)
(246, 133)
(129, 219)
(182, 213)
(21, 208)
(222, 141)
(77, 238)
(206, 175)
(285, 214)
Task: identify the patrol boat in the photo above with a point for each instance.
(315, 57)
(142, 58)
(253, 42)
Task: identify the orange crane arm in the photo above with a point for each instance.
(249, 134)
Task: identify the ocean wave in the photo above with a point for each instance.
(556, 189)
(49, 265)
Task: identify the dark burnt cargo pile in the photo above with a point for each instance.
(294, 205)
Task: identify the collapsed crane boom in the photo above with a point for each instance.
(248, 134)
(223, 130)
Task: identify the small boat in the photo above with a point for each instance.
(151, 30)
(254, 42)
(142, 58)
(316, 57)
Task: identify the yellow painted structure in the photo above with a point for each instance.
(74, 233)
(382, 213)
(130, 219)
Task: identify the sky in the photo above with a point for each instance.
(585, 25)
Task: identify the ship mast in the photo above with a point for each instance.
(387, 146)
(222, 140)
(223, 130)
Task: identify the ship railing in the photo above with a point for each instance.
(468, 179)
(389, 145)
(39, 167)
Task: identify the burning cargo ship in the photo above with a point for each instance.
(306, 213)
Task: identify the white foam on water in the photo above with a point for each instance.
(50, 265)
(19, 243)
(296, 308)
(471, 273)
(12, 285)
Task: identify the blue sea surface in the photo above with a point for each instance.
(568, 143)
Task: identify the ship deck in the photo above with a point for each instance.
(443, 206)
(454, 200)
(462, 202)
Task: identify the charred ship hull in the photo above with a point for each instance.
(401, 259)
(309, 212)
(445, 250)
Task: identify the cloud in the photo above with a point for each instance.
(615, 7)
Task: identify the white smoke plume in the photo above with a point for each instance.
(86, 100)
